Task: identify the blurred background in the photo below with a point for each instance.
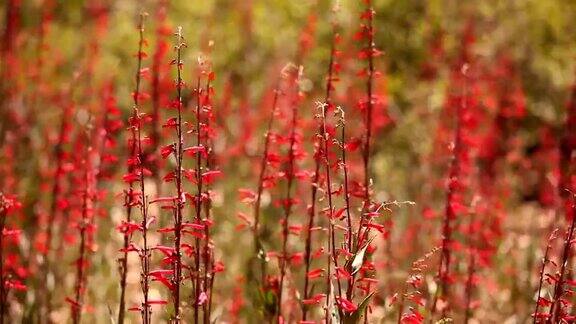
(521, 56)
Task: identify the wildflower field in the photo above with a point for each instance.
(287, 161)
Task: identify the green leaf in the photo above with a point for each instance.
(359, 258)
(354, 317)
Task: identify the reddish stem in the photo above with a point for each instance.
(263, 164)
(545, 260)
(362, 235)
(157, 78)
(556, 307)
(288, 201)
(177, 264)
(85, 222)
(137, 136)
(332, 255)
(471, 271)
(198, 203)
(366, 153)
(451, 197)
(3, 288)
(208, 261)
(56, 192)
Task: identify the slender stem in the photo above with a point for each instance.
(84, 223)
(451, 196)
(208, 253)
(556, 306)
(366, 154)
(350, 230)
(542, 270)
(258, 247)
(124, 259)
(471, 272)
(288, 202)
(263, 164)
(137, 137)
(332, 255)
(361, 236)
(198, 204)
(56, 192)
(210, 287)
(3, 288)
(156, 95)
(311, 216)
(206, 249)
(401, 305)
(179, 200)
(312, 212)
